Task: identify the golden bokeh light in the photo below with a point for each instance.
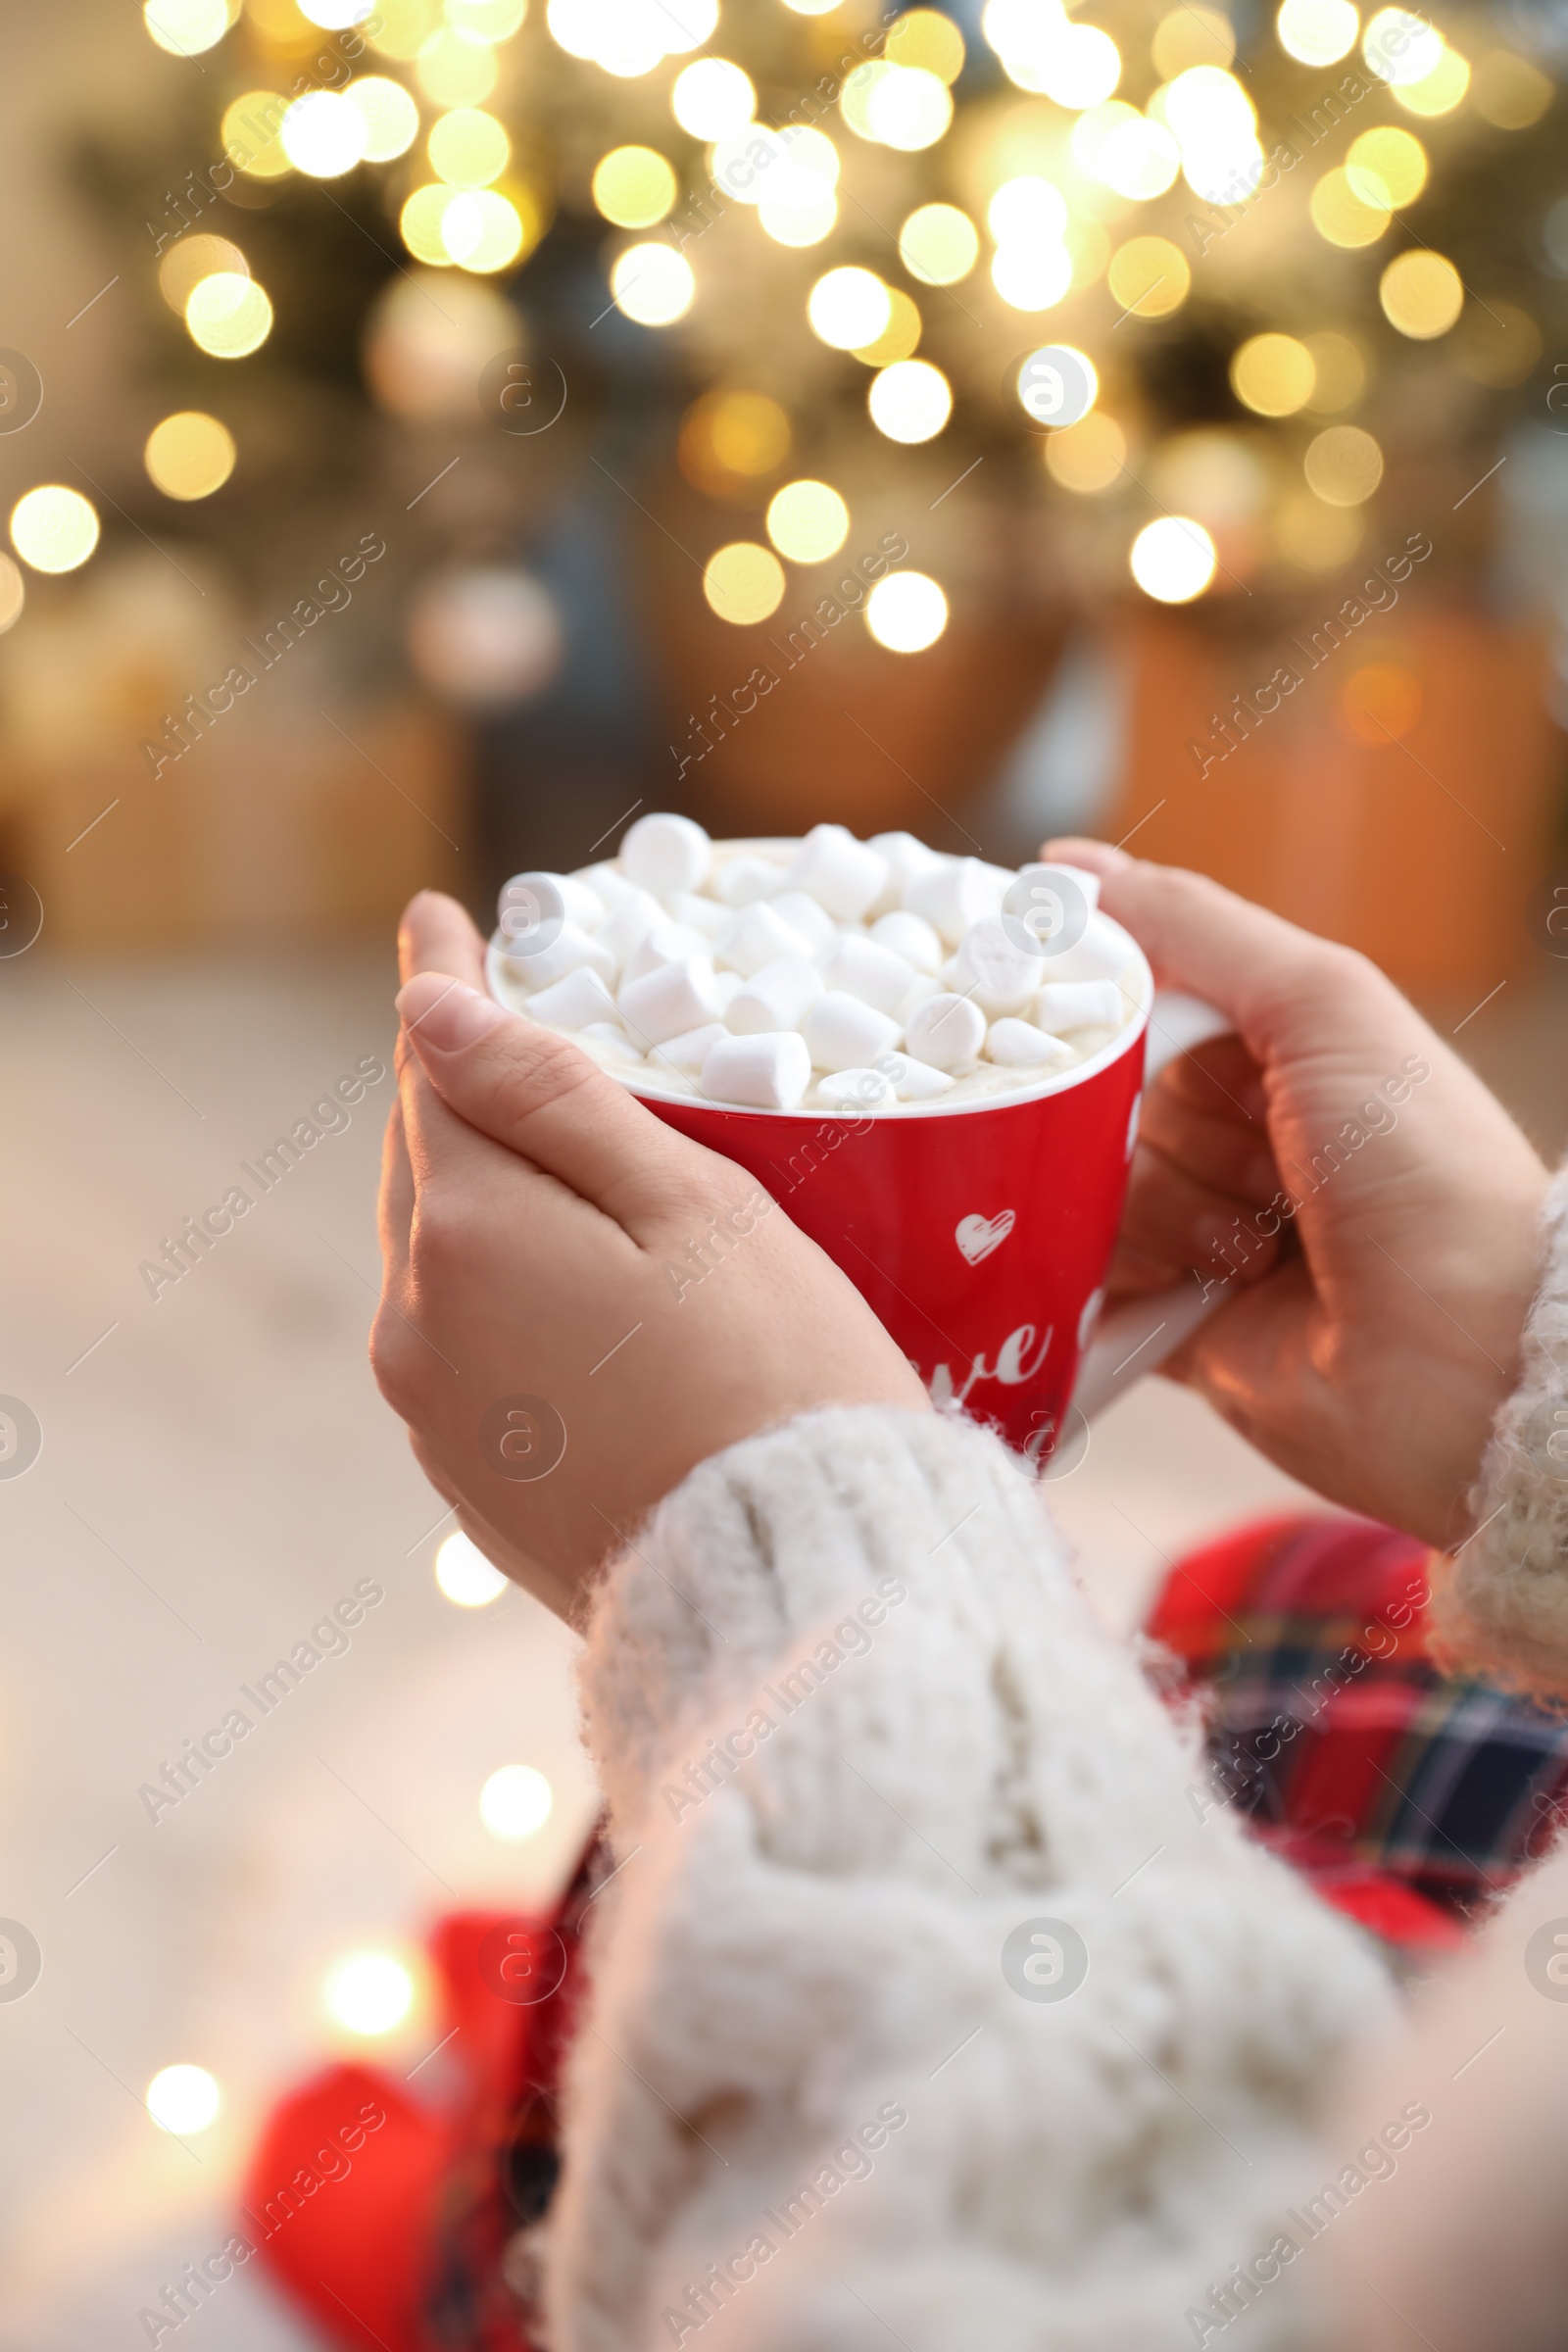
(1400, 45)
(728, 440)
(925, 38)
(1312, 537)
(903, 106)
(1192, 36)
(249, 134)
(53, 528)
(483, 230)
(1124, 150)
(323, 134)
(185, 28)
(1148, 276)
(486, 19)
(13, 594)
(1341, 371)
(183, 2099)
(1510, 92)
(1031, 277)
(907, 612)
(399, 28)
(1087, 457)
(849, 308)
(453, 70)
(938, 244)
(1317, 33)
(1440, 91)
(713, 98)
(1172, 560)
(911, 401)
(899, 338)
(1422, 294)
(467, 148)
(1273, 375)
(1344, 466)
(228, 317)
(516, 1801)
(465, 1576)
(369, 1993)
(744, 583)
(279, 24)
(654, 284)
(1387, 168)
(420, 224)
(391, 117)
(1027, 209)
(808, 521)
(190, 454)
(799, 212)
(186, 263)
(1081, 68)
(634, 186)
(1342, 213)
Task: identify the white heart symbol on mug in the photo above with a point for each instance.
(977, 1237)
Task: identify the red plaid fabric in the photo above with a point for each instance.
(1411, 1798)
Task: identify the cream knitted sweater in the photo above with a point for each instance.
(935, 2003)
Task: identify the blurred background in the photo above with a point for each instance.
(430, 437)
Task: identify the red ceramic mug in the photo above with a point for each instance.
(980, 1232)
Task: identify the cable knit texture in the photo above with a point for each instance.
(1500, 1607)
(857, 1726)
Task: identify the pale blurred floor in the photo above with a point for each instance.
(216, 1474)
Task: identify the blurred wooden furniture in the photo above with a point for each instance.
(1406, 813)
(295, 822)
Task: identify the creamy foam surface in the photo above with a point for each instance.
(823, 975)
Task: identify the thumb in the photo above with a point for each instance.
(1275, 983)
(533, 1091)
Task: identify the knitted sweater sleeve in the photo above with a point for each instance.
(1500, 1610)
(937, 2000)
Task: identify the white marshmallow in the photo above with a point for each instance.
(608, 883)
(842, 874)
(702, 915)
(741, 879)
(688, 1051)
(1080, 1004)
(946, 1031)
(1076, 877)
(1099, 956)
(580, 902)
(770, 1072)
(666, 853)
(1020, 1046)
(759, 934)
(666, 943)
(914, 1081)
(864, 969)
(727, 987)
(912, 936)
(906, 857)
(803, 915)
(570, 949)
(922, 988)
(629, 923)
(955, 894)
(572, 1003)
(666, 1002)
(613, 1045)
(855, 1089)
(990, 962)
(776, 997)
(841, 1032)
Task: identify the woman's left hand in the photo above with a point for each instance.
(579, 1306)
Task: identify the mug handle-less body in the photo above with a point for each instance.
(1137, 1337)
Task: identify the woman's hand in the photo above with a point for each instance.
(579, 1306)
(1363, 1208)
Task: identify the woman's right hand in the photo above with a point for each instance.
(1366, 1211)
